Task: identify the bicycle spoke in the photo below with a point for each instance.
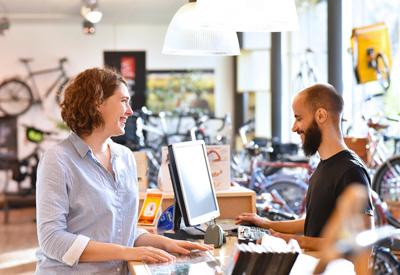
(15, 97)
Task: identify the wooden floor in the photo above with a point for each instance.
(18, 242)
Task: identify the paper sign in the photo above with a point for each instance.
(220, 166)
(150, 208)
(219, 160)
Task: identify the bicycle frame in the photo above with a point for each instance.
(31, 76)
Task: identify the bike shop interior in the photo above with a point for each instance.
(240, 101)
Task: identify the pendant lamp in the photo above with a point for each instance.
(248, 15)
(185, 37)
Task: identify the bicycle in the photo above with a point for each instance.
(380, 64)
(384, 168)
(209, 128)
(307, 75)
(384, 262)
(17, 96)
(279, 175)
(23, 169)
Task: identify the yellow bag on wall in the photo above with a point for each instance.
(366, 41)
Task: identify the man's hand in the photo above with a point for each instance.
(252, 218)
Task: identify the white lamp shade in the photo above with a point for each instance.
(92, 15)
(248, 15)
(185, 37)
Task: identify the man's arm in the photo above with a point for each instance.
(313, 243)
(308, 243)
(289, 227)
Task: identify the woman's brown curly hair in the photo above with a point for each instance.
(84, 94)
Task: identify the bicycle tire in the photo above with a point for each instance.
(386, 182)
(382, 71)
(385, 263)
(15, 97)
(292, 190)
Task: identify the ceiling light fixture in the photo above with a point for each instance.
(185, 37)
(88, 27)
(248, 15)
(90, 11)
(4, 26)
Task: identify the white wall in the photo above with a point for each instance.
(46, 43)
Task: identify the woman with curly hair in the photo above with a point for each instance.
(87, 188)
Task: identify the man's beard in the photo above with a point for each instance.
(312, 139)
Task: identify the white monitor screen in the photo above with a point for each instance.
(195, 181)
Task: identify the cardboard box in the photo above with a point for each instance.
(219, 160)
(141, 163)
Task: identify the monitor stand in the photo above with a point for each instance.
(180, 231)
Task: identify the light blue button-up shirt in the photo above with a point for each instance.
(77, 200)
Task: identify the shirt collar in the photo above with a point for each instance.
(82, 147)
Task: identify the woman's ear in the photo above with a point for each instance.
(321, 115)
(99, 104)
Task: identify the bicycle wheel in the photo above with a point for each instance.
(15, 97)
(382, 71)
(385, 263)
(292, 191)
(386, 182)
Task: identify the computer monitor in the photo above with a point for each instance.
(195, 200)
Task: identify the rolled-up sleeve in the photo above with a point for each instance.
(52, 206)
(140, 232)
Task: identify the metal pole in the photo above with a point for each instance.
(276, 84)
(335, 52)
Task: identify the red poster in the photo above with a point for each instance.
(128, 69)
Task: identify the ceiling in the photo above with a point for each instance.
(68, 11)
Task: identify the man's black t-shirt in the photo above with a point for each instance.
(328, 181)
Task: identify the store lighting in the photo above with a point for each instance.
(4, 26)
(90, 11)
(88, 27)
(185, 37)
(248, 15)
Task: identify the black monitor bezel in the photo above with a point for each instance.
(177, 185)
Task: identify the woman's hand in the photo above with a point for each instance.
(252, 218)
(147, 253)
(184, 247)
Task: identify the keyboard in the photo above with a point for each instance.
(248, 234)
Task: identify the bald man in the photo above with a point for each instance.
(317, 111)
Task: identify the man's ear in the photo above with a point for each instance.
(321, 115)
